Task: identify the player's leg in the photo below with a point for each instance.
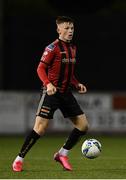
(46, 108)
(38, 130)
(81, 127)
(70, 108)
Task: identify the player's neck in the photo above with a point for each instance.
(66, 41)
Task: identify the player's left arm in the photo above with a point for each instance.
(79, 86)
(82, 88)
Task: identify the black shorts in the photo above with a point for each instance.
(66, 102)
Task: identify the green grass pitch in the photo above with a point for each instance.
(39, 163)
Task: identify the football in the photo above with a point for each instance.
(91, 148)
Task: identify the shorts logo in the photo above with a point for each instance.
(45, 110)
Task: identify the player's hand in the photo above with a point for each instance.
(51, 89)
(81, 88)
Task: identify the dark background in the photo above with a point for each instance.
(100, 34)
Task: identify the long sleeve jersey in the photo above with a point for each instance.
(57, 65)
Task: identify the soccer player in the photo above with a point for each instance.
(56, 71)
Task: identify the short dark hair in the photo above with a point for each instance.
(62, 19)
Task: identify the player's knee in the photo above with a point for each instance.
(85, 127)
(40, 125)
(83, 123)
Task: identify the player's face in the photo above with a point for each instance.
(65, 31)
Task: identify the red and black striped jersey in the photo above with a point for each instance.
(57, 65)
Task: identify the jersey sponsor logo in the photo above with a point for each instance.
(51, 47)
(71, 60)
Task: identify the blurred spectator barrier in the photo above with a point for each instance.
(106, 112)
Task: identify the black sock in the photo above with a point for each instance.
(73, 138)
(29, 142)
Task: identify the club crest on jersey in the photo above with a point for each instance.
(51, 47)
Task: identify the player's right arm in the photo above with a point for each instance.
(45, 61)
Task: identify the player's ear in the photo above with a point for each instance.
(58, 30)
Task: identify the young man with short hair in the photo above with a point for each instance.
(56, 71)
